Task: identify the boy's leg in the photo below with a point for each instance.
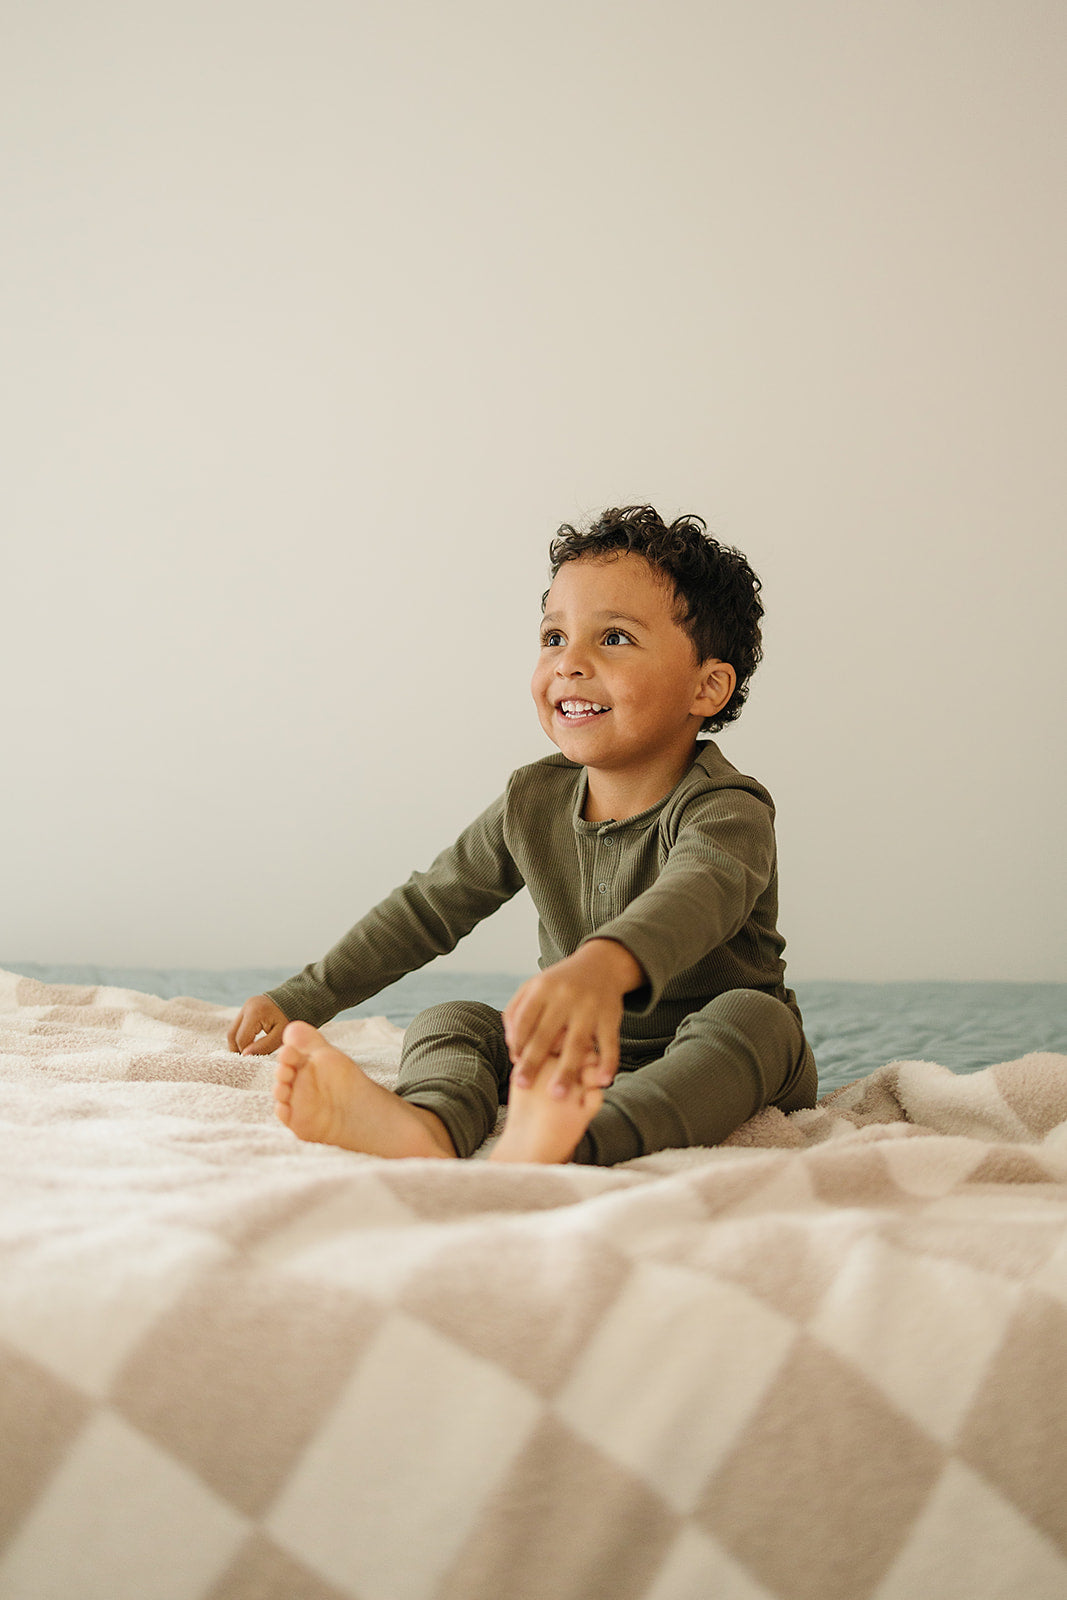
(741, 1052)
(455, 1063)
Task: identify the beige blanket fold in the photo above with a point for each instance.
(824, 1361)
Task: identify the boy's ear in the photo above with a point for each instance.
(718, 680)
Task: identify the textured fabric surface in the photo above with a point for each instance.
(828, 1360)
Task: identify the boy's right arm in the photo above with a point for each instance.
(424, 918)
(258, 1027)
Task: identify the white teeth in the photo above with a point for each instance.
(578, 708)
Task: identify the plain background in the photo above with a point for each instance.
(319, 318)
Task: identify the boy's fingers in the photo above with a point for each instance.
(601, 1065)
(609, 1057)
(263, 1047)
(242, 1033)
(547, 1040)
(530, 1012)
(532, 1036)
(249, 1030)
(522, 996)
(246, 1024)
(563, 1080)
(573, 1058)
(595, 1075)
(257, 1016)
(533, 1032)
(518, 1020)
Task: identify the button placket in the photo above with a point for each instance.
(604, 869)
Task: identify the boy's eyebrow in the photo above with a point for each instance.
(603, 616)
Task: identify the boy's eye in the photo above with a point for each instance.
(616, 636)
(550, 638)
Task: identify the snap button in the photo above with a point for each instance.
(603, 888)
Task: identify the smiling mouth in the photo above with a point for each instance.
(575, 710)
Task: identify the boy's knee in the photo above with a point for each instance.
(765, 1031)
(464, 1019)
(454, 1062)
(457, 1040)
(751, 1012)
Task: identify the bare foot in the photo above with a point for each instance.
(540, 1127)
(324, 1097)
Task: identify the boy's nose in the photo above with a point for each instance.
(572, 663)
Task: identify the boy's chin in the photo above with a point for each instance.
(565, 739)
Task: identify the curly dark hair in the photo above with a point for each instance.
(716, 591)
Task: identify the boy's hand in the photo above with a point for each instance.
(257, 1016)
(570, 1013)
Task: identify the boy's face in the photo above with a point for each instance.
(617, 684)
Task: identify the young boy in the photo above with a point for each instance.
(659, 1017)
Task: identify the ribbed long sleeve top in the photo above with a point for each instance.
(689, 887)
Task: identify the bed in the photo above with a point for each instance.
(825, 1361)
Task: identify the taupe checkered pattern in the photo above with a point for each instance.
(825, 1362)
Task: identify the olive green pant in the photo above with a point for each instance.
(741, 1052)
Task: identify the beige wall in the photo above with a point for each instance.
(319, 317)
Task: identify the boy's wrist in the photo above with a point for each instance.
(616, 961)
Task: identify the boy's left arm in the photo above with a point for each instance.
(571, 1013)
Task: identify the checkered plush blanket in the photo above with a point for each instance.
(825, 1362)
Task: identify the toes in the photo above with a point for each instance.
(290, 1059)
(302, 1035)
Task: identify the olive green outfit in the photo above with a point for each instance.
(689, 887)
